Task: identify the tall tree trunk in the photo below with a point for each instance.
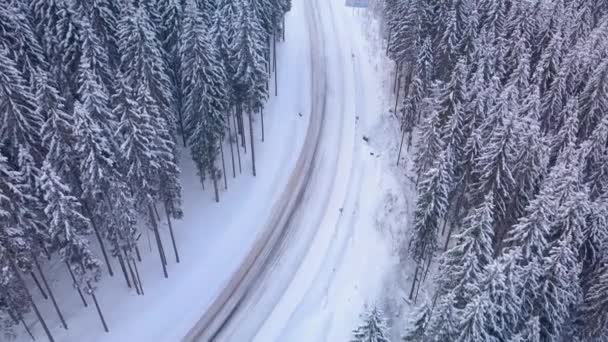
(76, 285)
(158, 220)
(414, 282)
(42, 292)
(262, 117)
(224, 175)
(171, 234)
(284, 28)
(99, 239)
(400, 147)
(103, 321)
(127, 259)
(156, 213)
(159, 243)
(397, 96)
(236, 139)
(214, 179)
(29, 297)
(124, 269)
(242, 127)
(48, 288)
(27, 329)
(138, 278)
(397, 70)
(276, 72)
(251, 139)
(274, 50)
(137, 253)
(231, 147)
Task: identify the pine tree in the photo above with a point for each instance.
(142, 60)
(462, 265)
(206, 102)
(68, 227)
(443, 322)
(373, 328)
(430, 209)
(417, 324)
(20, 122)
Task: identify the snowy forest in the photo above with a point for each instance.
(504, 106)
(97, 98)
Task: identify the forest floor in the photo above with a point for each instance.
(212, 238)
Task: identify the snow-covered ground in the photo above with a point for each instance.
(343, 245)
(212, 238)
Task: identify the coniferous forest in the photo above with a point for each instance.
(96, 97)
(505, 106)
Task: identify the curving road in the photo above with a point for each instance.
(310, 210)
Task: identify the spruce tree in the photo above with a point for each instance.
(373, 328)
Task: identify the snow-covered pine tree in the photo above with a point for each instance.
(68, 227)
(171, 12)
(431, 207)
(444, 319)
(142, 59)
(373, 328)
(416, 325)
(206, 99)
(462, 264)
(64, 51)
(430, 143)
(20, 122)
(18, 38)
(593, 315)
(250, 75)
(529, 333)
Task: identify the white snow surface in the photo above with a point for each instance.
(212, 238)
(340, 253)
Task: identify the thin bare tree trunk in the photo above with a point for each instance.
(48, 288)
(27, 329)
(388, 41)
(44, 295)
(276, 72)
(236, 140)
(138, 278)
(242, 128)
(262, 116)
(29, 296)
(411, 296)
(159, 243)
(223, 164)
(103, 321)
(172, 235)
(158, 220)
(397, 70)
(156, 213)
(400, 147)
(284, 28)
(251, 139)
(397, 96)
(135, 284)
(215, 187)
(124, 270)
(231, 147)
(84, 301)
(137, 253)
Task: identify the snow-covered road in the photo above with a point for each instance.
(306, 287)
